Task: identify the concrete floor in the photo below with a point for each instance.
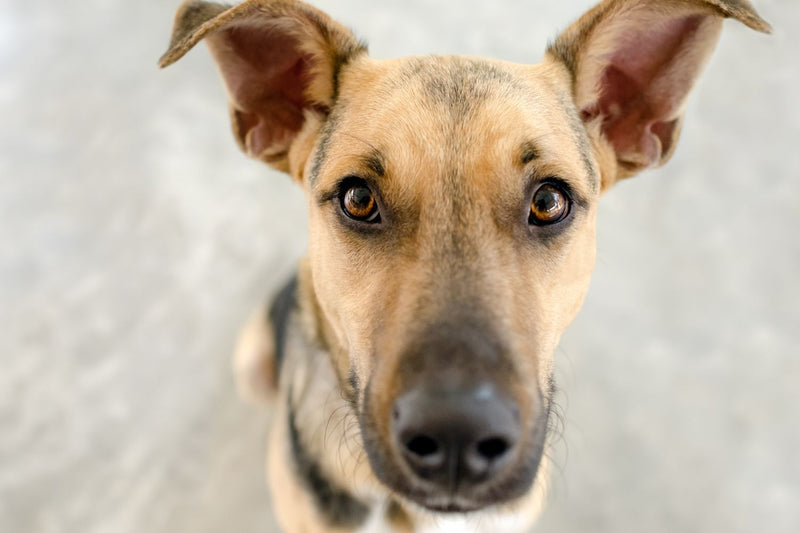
(136, 239)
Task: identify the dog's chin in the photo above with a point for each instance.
(450, 508)
(462, 502)
(448, 505)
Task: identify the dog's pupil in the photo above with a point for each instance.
(360, 201)
(548, 202)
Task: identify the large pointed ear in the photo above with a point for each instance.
(633, 64)
(280, 60)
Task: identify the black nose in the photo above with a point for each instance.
(455, 437)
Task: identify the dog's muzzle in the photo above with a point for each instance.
(463, 431)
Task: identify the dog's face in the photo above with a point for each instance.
(452, 207)
(451, 245)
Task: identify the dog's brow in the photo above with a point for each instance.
(534, 150)
(528, 152)
(374, 162)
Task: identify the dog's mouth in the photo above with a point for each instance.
(516, 482)
(451, 506)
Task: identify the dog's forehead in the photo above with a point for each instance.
(455, 113)
(456, 86)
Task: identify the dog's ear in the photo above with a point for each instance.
(633, 64)
(280, 60)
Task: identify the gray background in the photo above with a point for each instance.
(136, 239)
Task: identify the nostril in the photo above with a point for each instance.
(422, 446)
(492, 448)
(486, 456)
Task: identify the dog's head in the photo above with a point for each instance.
(452, 210)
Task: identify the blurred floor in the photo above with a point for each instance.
(136, 239)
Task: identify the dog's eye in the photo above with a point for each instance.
(359, 203)
(550, 204)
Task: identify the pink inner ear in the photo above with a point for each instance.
(266, 75)
(643, 86)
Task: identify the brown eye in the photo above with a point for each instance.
(550, 204)
(359, 203)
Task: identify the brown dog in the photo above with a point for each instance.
(452, 208)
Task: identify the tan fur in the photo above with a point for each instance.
(446, 139)
(358, 284)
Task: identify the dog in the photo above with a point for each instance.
(452, 204)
